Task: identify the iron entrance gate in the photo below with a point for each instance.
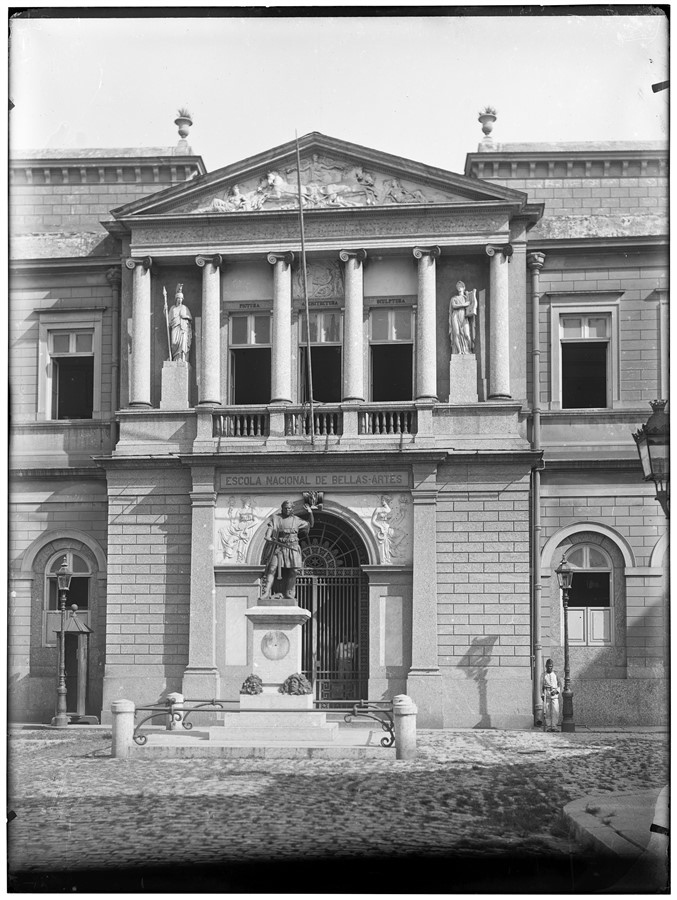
(335, 650)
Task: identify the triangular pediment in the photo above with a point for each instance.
(333, 174)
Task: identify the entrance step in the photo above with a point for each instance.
(348, 743)
(274, 734)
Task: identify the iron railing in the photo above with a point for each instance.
(173, 711)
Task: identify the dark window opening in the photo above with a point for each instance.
(391, 372)
(584, 375)
(78, 593)
(326, 374)
(590, 589)
(73, 387)
(250, 374)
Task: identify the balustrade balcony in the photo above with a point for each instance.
(345, 427)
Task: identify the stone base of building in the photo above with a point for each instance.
(491, 699)
(621, 701)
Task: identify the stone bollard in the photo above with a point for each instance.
(123, 727)
(404, 714)
(175, 718)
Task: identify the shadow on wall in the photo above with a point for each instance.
(475, 664)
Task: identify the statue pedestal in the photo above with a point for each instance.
(276, 650)
(268, 718)
(463, 378)
(175, 385)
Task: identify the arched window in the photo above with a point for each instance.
(79, 592)
(591, 597)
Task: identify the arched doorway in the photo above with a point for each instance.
(335, 648)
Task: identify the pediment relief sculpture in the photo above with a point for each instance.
(325, 183)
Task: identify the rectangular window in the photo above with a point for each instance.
(584, 349)
(250, 359)
(70, 365)
(326, 356)
(391, 353)
(585, 361)
(590, 614)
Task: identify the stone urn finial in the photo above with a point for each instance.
(487, 117)
(184, 120)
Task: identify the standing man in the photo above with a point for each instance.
(282, 552)
(180, 327)
(551, 691)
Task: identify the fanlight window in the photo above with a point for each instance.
(78, 593)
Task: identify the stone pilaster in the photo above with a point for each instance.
(499, 322)
(424, 683)
(281, 362)
(201, 677)
(353, 357)
(210, 368)
(426, 341)
(139, 389)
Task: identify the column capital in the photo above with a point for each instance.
(535, 260)
(359, 255)
(505, 249)
(203, 498)
(433, 252)
(133, 262)
(216, 260)
(287, 257)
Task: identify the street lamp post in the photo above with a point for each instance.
(653, 446)
(63, 580)
(565, 577)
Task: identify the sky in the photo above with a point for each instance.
(411, 85)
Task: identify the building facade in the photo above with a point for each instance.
(457, 402)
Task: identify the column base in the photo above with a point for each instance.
(499, 397)
(201, 683)
(140, 404)
(280, 401)
(352, 400)
(424, 686)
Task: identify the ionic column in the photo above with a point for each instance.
(139, 388)
(281, 362)
(210, 361)
(353, 357)
(499, 322)
(426, 343)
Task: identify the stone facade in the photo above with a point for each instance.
(447, 506)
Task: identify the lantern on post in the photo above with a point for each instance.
(63, 582)
(653, 447)
(565, 578)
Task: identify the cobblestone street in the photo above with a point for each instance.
(475, 805)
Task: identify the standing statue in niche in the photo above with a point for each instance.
(282, 554)
(462, 313)
(179, 326)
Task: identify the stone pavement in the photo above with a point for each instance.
(477, 811)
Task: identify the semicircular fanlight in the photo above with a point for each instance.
(332, 544)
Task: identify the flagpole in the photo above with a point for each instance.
(309, 361)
